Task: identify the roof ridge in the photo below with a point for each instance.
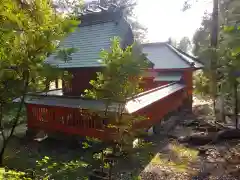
(153, 43)
(188, 55)
(180, 53)
(100, 17)
(177, 53)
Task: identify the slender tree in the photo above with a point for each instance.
(119, 81)
(214, 46)
(228, 49)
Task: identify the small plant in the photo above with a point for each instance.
(137, 178)
(13, 175)
(49, 169)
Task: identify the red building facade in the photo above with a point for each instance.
(167, 85)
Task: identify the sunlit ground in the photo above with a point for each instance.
(176, 159)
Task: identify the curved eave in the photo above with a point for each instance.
(196, 64)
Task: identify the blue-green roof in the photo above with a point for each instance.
(89, 40)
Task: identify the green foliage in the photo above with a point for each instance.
(12, 175)
(27, 37)
(85, 145)
(11, 113)
(184, 44)
(65, 54)
(229, 48)
(201, 84)
(121, 76)
(45, 169)
(225, 59)
(29, 31)
(136, 178)
(48, 169)
(118, 82)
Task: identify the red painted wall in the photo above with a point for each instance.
(149, 83)
(156, 111)
(82, 76)
(187, 77)
(80, 80)
(73, 121)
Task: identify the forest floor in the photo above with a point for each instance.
(163, 157)
(174, 160)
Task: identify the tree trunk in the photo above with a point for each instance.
(47, 85)
(56, 83)
(16, 119)
(236, 102)
(2, 153)
(214, 44)
(1, 159)
(214, 33)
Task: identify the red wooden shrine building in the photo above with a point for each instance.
(167, 85)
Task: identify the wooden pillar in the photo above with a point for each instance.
(190, 102)
(56, 83)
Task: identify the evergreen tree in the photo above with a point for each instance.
(184, 44)
(119, 82)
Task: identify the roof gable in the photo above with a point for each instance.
(164, 56)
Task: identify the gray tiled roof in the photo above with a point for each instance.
(69, 102)
(54, 98)
(187, 58)
(89, 41)
(154, 96)
(165, 56)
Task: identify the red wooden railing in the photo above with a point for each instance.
(158, 110)
(66, 120)
(86, 123)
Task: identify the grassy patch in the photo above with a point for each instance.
(184, 153)
(165, 163)
(177, 158)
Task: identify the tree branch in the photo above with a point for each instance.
(15, 120)
(1, 119)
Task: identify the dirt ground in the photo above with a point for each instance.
(175, 161)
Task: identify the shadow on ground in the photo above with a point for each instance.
(162, 157)
(60, 158)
